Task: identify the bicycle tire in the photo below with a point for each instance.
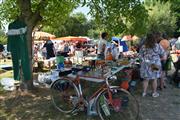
(64, 95)
(125, 105)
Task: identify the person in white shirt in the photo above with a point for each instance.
(115, 50)
(102, 43)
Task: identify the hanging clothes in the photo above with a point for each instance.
(17, 45)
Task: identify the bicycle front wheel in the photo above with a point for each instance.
(124, 106)
(64, 95)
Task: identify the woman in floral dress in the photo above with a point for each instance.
(151, 54)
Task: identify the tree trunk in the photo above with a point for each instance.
(31, 19)
(28, 84)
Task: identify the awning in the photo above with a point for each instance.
(73, 39)
(39, 35)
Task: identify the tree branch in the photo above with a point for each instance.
(37, 16)
(25, 8)
(42, 4)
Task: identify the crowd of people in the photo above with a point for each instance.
(154, 53)
(48, 49)
(155, 59)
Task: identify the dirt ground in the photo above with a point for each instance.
(165, 107)
(37, 106)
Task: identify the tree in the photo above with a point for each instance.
(161, 18)
(94, 33)
(32, 12)
(118, 16)
(75, 25)
(175, 8)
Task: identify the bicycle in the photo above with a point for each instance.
(108, 102)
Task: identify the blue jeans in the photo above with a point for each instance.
(60, 66)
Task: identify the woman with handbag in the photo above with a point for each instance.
(150, 55)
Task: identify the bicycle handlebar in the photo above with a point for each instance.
(109, 74)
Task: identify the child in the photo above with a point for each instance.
(60, 61)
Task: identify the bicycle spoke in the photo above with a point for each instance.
(63, 95)
(123, 105)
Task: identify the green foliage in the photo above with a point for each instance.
(120, 16)
(76, 25)
(8, 10)
(116, 16)
(57, 11)
(3, 38)
(175, 8)
(51, 11)
(80, 17)
(160, 17)
(2, 33)
(93, 33)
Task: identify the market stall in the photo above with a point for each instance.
(72, 39)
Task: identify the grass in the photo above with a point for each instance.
(7, 74)
(4, 73)
(8, 62)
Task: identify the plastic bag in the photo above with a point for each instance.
(8, 84)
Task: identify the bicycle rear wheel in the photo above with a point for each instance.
(124, 106)
(64, 95)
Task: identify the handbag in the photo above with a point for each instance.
(155, 67)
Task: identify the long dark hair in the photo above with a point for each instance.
(104, 35)
(150, 40)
